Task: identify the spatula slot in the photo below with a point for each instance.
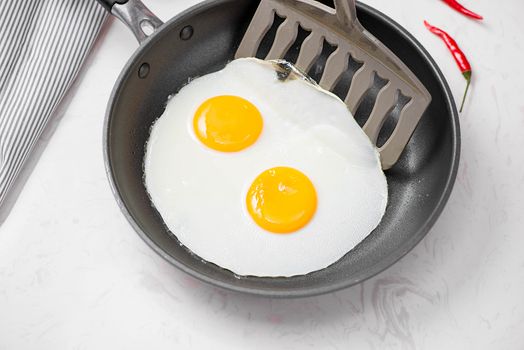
(284, 38)
(294, 51)
(341, 89)
(317, 69)
(392, 118)
(269, 38)
(367, 103)
(309, 51)
(360, 84)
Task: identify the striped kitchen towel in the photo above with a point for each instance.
(43, 44)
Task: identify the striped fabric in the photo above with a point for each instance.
(42, 46)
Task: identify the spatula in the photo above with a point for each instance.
(341, 29)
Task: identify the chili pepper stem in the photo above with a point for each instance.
(467, 75)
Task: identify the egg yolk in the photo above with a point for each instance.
(282, 200)
(227, 123)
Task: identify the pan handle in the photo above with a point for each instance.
(135, 15)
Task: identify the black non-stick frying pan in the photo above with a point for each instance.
(202, 40)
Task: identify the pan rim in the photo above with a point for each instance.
(393, 257)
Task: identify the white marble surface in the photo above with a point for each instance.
(73, 274)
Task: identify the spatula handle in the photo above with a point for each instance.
(346, 12)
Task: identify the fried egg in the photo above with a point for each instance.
(262, 172)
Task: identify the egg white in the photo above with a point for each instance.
(201, 193)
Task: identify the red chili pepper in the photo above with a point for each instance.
(458, 7)
(458, 55)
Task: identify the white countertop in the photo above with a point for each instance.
(74, 275)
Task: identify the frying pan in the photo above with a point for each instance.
(202, 40)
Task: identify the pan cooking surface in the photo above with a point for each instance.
(419, 184)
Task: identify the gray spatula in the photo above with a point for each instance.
(341, 29)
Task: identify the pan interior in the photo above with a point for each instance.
(419, 183)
